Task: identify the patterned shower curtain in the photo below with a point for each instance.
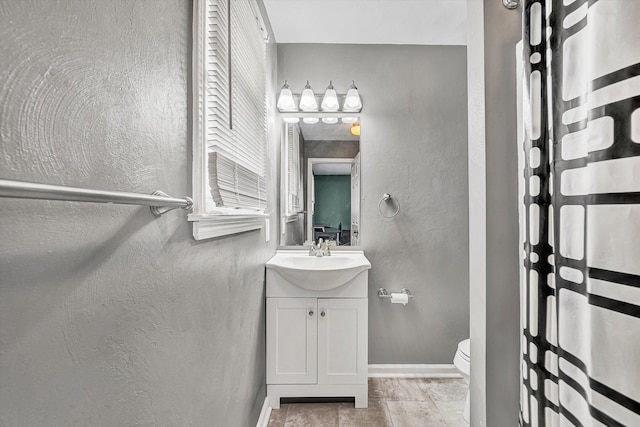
(580, 184)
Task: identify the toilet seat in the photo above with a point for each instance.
(464, 347)
(462, 362)
(462, 359)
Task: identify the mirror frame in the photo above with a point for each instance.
(283, 220)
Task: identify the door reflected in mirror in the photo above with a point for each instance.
(320, 184)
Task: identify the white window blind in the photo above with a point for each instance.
(235, 105)
(294, 183)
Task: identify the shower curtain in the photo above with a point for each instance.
(580, 213)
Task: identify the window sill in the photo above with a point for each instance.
(208, 226)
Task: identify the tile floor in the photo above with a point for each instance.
(393, 402)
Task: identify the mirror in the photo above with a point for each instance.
(320, 183)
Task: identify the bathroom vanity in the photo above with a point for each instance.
(317, 326)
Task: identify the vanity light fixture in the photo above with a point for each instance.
(329, 102)
(330, 120)
(308, 99)
(355, 129)
(285, 100)
(330, 99)
(349, 120)
(291, 119)
(310, 120)
(352, 102)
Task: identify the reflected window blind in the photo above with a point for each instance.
(236, 105)
(294, 184)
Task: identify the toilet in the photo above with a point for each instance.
(462, 362)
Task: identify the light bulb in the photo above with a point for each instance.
(291, 119)
(285, 100)
(349, 119)
(308, 99)
(355, 129)
(330, 99)
(311, 120)
(352, 102)
(330, 120)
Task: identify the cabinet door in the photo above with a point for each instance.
(292, 341)
(342, 341)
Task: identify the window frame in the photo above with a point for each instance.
(219, 221)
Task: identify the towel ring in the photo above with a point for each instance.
(387, 197)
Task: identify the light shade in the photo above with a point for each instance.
(311, 120)
(352, 102)
(330, 99)
(355, 129)
(349, 119)
(308, 99)
(330, 120)
(291, 119)
(285, 100)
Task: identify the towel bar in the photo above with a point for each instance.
(158, 201)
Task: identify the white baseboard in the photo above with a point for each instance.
(265, 414)
(413, 371)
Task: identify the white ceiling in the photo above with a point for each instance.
(422, 22)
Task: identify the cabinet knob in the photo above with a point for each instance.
(310, 313)
(322, 313)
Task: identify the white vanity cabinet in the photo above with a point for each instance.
(317, 340)
(292, 341)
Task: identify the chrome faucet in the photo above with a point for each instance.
(319, 250)
(324, 248)
(313, 249)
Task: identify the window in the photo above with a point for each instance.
(293, 190)
(229, 145)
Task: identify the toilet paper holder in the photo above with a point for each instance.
(382, 293)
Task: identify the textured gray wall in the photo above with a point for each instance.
(413, 146)
(108, 316)
(330, 149)
(493, 33)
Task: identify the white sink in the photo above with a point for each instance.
(319, 273)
